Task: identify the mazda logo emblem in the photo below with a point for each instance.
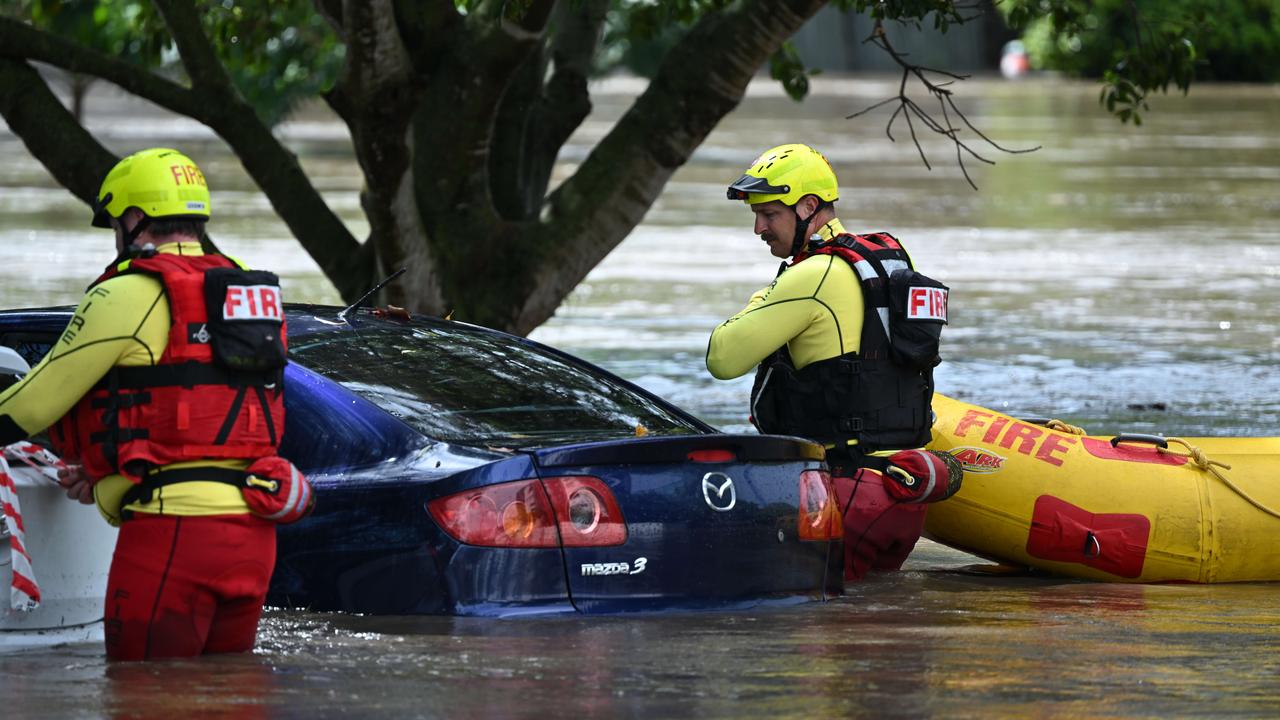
(718, 491)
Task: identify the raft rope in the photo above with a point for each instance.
(1198, 458)
(1193, 453)
(1056, 424)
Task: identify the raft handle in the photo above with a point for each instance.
(1140, 438)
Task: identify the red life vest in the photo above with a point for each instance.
(193, 403)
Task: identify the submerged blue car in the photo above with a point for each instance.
(460, 470)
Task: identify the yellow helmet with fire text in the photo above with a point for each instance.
(787, 173)
(161, 182)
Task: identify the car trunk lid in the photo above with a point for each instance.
(712, 521)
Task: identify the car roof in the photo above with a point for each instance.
(312, 320)
(304, 319)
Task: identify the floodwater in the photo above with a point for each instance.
(915, 644)
(1119, 278)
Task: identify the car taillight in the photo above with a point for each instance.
(576, 511)
(514, 514)
(819, 510)
(712, 456)
(588, 513)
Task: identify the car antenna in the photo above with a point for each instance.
(343, 314)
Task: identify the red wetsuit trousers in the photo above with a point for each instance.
(183, 586)
(879, 531)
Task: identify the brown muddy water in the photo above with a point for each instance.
(1120, 278)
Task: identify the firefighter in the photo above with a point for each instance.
(165, 386)
(844, 342)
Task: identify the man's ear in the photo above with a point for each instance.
(129, 217)
(807, 206)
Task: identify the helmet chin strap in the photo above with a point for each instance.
(132, 235)
(802, 224)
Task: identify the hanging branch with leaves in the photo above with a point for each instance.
(939, 88)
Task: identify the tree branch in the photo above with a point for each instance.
(573, 48)
(331, 11)
(701, 80)
(946, 101)
(539, 115)
(517, 151)
(50, 132)
(426, 27)
(22, 42)
(273, 167)
(535, 15)
(375, 96)
(531, 15)
(498, 45)
(198, 57)
(1137, 23)
(490, 51)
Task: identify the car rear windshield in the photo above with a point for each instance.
(473, 387)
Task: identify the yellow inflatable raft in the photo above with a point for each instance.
(1121, 509)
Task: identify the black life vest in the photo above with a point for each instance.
(215, 393)
(878, 398)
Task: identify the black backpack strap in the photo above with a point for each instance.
(188, 374)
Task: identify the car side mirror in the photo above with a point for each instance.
(11, 363)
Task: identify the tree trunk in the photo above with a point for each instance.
(507, 265)
(456, 121)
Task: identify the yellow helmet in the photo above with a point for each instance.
(787, 173)
(160, 182)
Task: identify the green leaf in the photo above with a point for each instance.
(786, 67)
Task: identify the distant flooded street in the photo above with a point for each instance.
(1120, 278)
